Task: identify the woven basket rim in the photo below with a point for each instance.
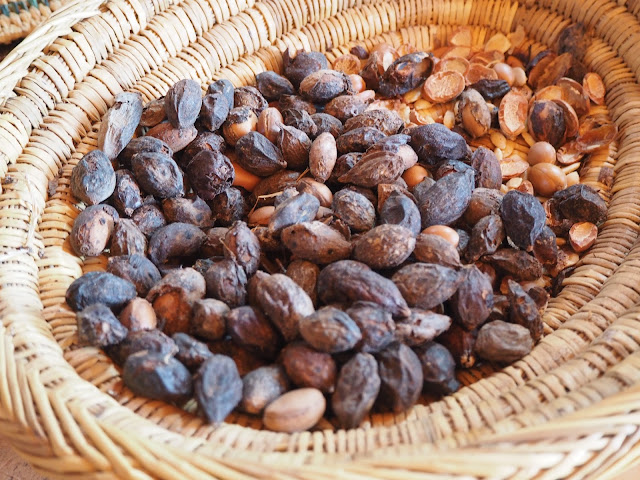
(572, 414)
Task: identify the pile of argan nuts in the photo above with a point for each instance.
(333, 242)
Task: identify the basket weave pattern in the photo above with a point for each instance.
(570, 407)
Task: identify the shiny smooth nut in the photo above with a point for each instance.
(261, 216)
(541, 152)
(547, 179)
(244, 179)
(358, 83)
(573, 178)
(448, 233)
(414, 175)
(519, 76)
(582, 236)
(295, 411)
(270, 123)
(505, 72)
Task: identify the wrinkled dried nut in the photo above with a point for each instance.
(217, 387)
(384, 246)
(127, 239)
(224, 87)
(272, 86)
(250, 329)
(92, 230)
(375, 167)
(582, 236)
(316, 242)
(324, 85)
(127, 196)
(210, 173)
(541, 152)
(261, 387)
(474, 113)
(191, 352)
(295, 411)
(354, 209)
(523, 218)
(330, 330)
(401, 377)
(182, 103)
(307, 367)
(208, 319)
(547, 179)
(188, 210)
(227, 281)
(547, 122)
(323, 156)
(356, 390)
(157, 376)
(93, 179)
(503, 342)
(414, 175)
(348, 106)
(256, 154)
(443, 86)
(99, 327)
(251, 97)
(176, 139)
(153, 113)
(425, 285)
(214, 111)
(302, 65)
(120, 123)
(174, 240)
(594, 87)
(270, 123)
(445, 232)
(241, 120)
(513, 114)
(158, 174)
(405, 74)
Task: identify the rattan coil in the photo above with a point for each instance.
(569, 409)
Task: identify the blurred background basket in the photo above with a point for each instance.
(18, 18)
(570, 408)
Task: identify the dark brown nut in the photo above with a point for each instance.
(487, 235)
(218, 387)
(191, 353)
(581, 203)
(307, 367)
(295, 146)
(447, 200)
(400, 210)
(262, 193)
(324, 85)
(503, 342)
(261, 387)
(425, 285)
(245, 360)
(385, 246)
(345, 107)
(356, 390)
(158, 377)
(303, 64)
(127, 239)
(327, 123)
(545, 248)
(358, 139)
(214, 111)
(204, 141)
(208, 319)
(152, 341)
(239, 122)
(432, 248)
(202, 265)
(491, 89)
(523, 218)
(487, 167)
(420, 189)
(305, 274)
(242, 246)
(297, 209)
(484, 201)
(350, 281)
(226, 281)
(213, 243)
(284, 302)
(438, 369)
(182, 103)
(471, 305)
(137, 269)
(258, 155)
(210, 173)
(158, 174)
(375, 67)
(344, 163)
(153, 113)
(127, 195)
(270, 123)
(452, 166)
(138, 315)
(300, 119)
(422, 326)
(375, 168)
(253, 286)
(517, 263)
(461, 343)
(524, 310)
(435, 143)
(474, 113)
(120, 123)
(249, 97)
(223, 86)
(187, 210)
(360, 52)
(143, 144)
(401, 377)
(229, 206)
(250, 329)
(149, 218)
(173, 296)
(406, 73)
(176, 240)
(386, 121)
(354, 209)
(176, 139)
(376, 325)
(99, 327)
(316, 242)
(547, 122)
(272, 86)
(92, 230)
(330, 330)
(93, 179)
(294, 102)
(540, 296)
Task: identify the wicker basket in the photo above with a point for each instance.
(570, 408)
(18, 18)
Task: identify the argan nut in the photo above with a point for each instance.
(414, 175)
(295, 411)
(512, 114)
(443, 86)
(448, 233)
(323, 156)
(270, 123)
(93, 179)
(241, 120)
(138, 315)
(541, 152)
(547, 179)
(582, 236)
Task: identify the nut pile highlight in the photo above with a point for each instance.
(333, 242)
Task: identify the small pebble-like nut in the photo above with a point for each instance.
(223, 86)
(512, 114)
(302, 64)
(270, 123)
(425, 285)
(435, 249)
(580, 203)
(384, 246)
(176, 139)
(261, 387)
(229, 206)
(297, 209)
(376, 325)
(250, 329)
(217, 387)
(182, 103)
(300, 119)
(414, 175)
(399, 209)
(524, 310)
(446, 201)
(307, 367)
(149, 218)
(127, 196)
(213, 243)
(435, 143)
(582, 236)
(174, 240)
(272, 86)
(119, 124)
(239, 122)
(92, 230)
(541, 152)
(93, 179)
(594, 87)
(401, 377)
(204, 141)
(210, 173)
(356, 390)
(214, 111)
(330, 330)
(447, 233)
(486, 236)
(316, 242)
(438, 369)
(191, 353)
(443, 86)
(227, 281)
(384, 120)
(523, 218)
(208, 319)
(322, 156)
(487, 167)
(474, 113)
(99, 327)
(295, 411)
(374, 168)
(157, 376)
(503, 342)
(517, 263)
(138, 315)
(157, 174)
(127, 239)
(345, 107)
(484, 201)
(137, 269)
(143, 144)
(547, 179)
(256, 154)
(472, 303)
(324, 85)
(354, 209)
(153, 113)
(358, 140)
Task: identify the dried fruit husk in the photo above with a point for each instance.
(119, 124)
(517, 263)
(570, 119)
(513, 114)
(278, 182)
(384, 246)
(301, 120)
(483, 202)
(307, 367)
(92, 230)
(258, 155)
(152, 341)
(461, 344)
(249, 97)
(356, 390)
(358, 139)
(327, 123)
(157, 174)
(261, 387)
(426, 285)
(399, 209)
(438, 369)
(176, 139)
(573, 40)
(545, 248)
(99, 327)
(223, 86)
(93, 179)
(295, 146)
(324, 85)
(126, 195)
(345, 107)
(422, 326)
(547, 122)
(473, 301)
(210, 173)
(376, 325)
(250, 329)
(137, 269)
(446, 201)
(204, 141)
(435, 143)
(229, 206)
(405, 73)
(245, 360)
(580, 203)
(176, 240)
(487, 168)
(330, 330)
(387, 121)
(487, 235)
(316, 242)
(523, 218)
(375, 168)
(153, 113)
(594, 87)
(191, 352)
(226, 281)
(158, 377)
(305, 274)
(209, 318)
(241, 245)
(272, 86)
(214, 111)
(127, 239)
(538, 65)
(401, 377)
(477, 72)
(376, 65)
(524, 310)
(297, 209)
(217, 387)
(574, 94)
(182, 103)
(302, 64)
(443, 86)
(491, 89)
(503, 342)
(143, 144)
(435, 249)
(594, 132)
